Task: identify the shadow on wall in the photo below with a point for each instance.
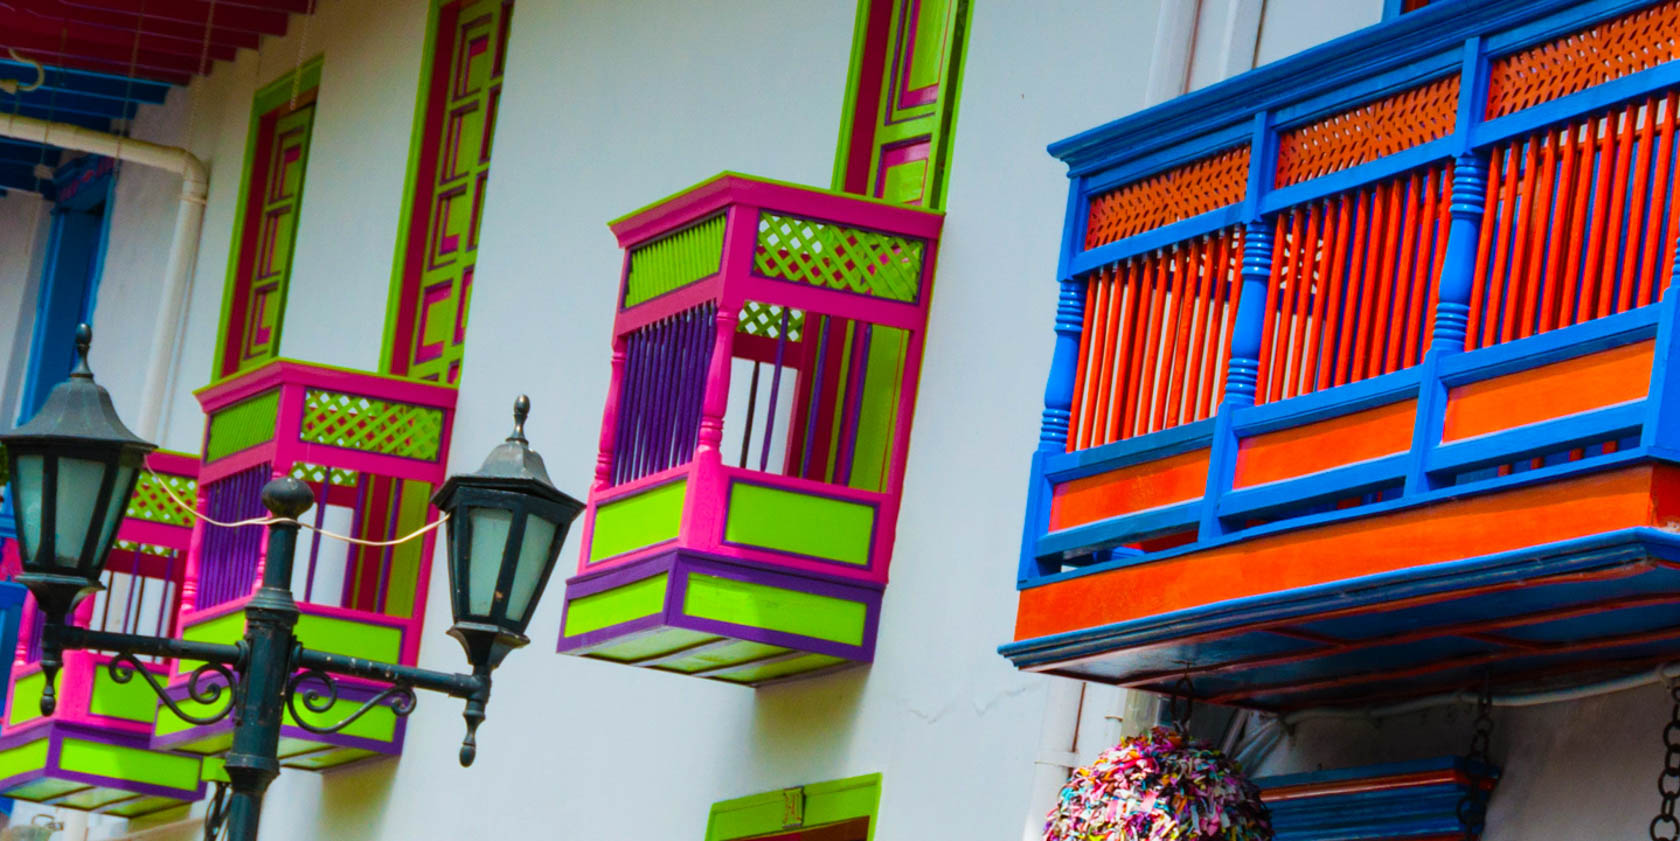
(354, 797)
(783, 715)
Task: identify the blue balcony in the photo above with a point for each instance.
(1361, 388)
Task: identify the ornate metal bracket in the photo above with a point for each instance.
(400, 698)
(124, 666)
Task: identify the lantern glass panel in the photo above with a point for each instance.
(534, 553)
(77, 496)
(490, 528)
(26, 486)
(118, 506)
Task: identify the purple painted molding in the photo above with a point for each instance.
(58, 732)
(681, 563)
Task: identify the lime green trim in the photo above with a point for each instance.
(379, 723)
(132, 701)
(715, 657)
(805, 524)
(143, 806)
(30, 756)
(642, 519)
(848, 105)
(411, 179)
(620, 604)
(824, 803)
(658, 642)
(93, 798)
(278, 92)
(889, 349)
(267, 98)
(757, 673)
(125, 763)
(324, 633)
(214, 770)
(43, 789)
(26, 697)
(243, 425)
(675, 260)
(329, 759)
(743, 176)
(775, 609)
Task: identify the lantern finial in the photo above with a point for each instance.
(84, 340)
(521, 411)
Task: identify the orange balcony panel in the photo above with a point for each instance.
(1154, 484)
(1594, 381)
(1637, 496)
(1302, 450)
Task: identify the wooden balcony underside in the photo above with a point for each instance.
(1583, 584)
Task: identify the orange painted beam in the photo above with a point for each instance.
(1454, 530)
(1303, 450)
(1582, 384)
(1174, 479)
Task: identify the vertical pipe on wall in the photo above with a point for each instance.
(1469, 198)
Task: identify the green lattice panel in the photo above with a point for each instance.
(319, 473)
(675, 261)
(145, 548)
(362, 423)
(848, 259)
(241, 426)
(766, 320)
(152, 504)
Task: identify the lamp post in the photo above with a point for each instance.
(73, 469)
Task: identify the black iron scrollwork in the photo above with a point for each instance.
(216, 812)
(399, 698)
(123, 667)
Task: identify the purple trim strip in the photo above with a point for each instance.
(816, 397)
(775, 387)
(681, 564)
(858, 379)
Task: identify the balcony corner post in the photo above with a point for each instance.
(1058, 389)
(604, 457)
(1242, 374)
(716, 400)
(1452, 311)
(1662, 423)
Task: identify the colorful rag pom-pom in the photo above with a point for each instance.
(1159, 786)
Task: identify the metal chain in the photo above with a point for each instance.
(215, 812)
(1472, 808)
(1665, 826)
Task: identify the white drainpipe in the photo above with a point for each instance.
(183, 251)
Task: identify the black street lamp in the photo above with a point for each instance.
(73, 469)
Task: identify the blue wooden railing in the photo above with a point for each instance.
(1454, 36)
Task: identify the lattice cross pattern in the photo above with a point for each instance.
(370, 425)
(152, 504)
(849, 259)
(766, 320)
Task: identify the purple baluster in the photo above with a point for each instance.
(775, 389)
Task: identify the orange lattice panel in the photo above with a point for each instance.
(1376, 129)
(1197, 187)
(1610, 50)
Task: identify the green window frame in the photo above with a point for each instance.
(266, 221)
(837, 810)
(443, 202)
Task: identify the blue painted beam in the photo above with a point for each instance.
(66, 102)
(89, 83)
